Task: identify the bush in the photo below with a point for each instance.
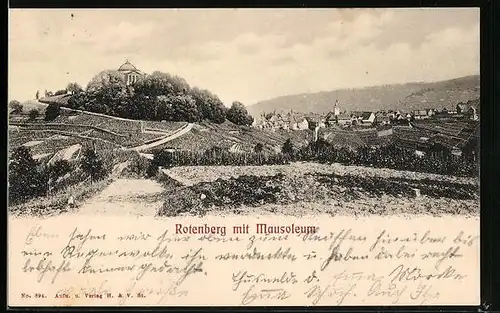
(287, 148)
(139, 166)
(33, 114)
(25, 179)
(16, 106)
(238, 114)
(52, 111)
(92, 165)
(58, 169)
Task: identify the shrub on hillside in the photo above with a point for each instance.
(25, 180)
(138, 167)
(92, 165)
(58, 169)
(33, 114)
(287, 148)
(52, 111)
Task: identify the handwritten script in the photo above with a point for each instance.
(347, 261)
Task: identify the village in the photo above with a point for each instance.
(336, 118)
(452, 132)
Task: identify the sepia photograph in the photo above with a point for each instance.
(238, 157)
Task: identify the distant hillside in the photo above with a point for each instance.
(33, 104)
(406, 97)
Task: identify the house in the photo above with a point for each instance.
(330, 119)
(473, 113)
(367, 118)
(303, 124)
(315, 120)
(289, 121)
(130, 73)
(344, 119)
(420, 114)
(462, 108)
(383, 118)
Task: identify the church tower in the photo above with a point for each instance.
(336, 108)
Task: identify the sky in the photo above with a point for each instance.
(241, 54)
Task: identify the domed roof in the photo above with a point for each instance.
(127, 66)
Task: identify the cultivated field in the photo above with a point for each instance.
(229, 136)
(309, 188)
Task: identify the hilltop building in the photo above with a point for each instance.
(130, 73)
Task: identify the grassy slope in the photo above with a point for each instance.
(406, 97)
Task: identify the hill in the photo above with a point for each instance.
(33, 104)
(405, 97)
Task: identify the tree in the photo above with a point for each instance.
(287, 147)
(107, 93)
(52, 111)
(16, 106)
(60, 92)
(37, 95)
(78, 101)
(238, 114)
(25, 181)
(184, 108)
(168, 84)
(92, 165)
(33, 114)
(74, 88)
(209, 105)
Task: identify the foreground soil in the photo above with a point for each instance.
(137, 197)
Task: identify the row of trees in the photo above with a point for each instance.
(29, 179)
(322, 151)
(159, 96)
(72, 88)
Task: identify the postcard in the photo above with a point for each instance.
(243, 157)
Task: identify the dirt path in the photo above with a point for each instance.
(132, 197)
(180, 132)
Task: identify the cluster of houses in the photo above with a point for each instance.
(288, 121)
(297, 121)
